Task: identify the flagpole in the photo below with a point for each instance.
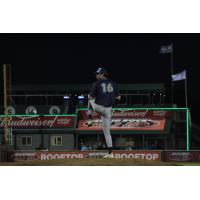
(172, 72)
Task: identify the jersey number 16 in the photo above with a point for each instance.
(107, 87)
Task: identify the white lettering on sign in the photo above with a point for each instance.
(60, 156)
(151, 156)
(125, 113)
(34, 121)
(143, 156)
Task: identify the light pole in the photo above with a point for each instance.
(7, 102)
(5, 105)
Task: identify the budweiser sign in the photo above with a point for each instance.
(38, 122)
(132, 113)
(141, 114)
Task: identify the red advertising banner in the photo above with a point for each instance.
(182, 156)
(39, 122)
(125, 124)
(142, 155)
(143, 120)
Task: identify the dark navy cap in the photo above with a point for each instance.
(101, 70)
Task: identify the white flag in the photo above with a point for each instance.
(180, 76)
(166, 49)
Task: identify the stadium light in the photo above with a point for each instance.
(66, 97)
(81, 97)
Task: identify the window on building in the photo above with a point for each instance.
(56, 140)
(26, 140)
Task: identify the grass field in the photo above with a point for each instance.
(94, 162)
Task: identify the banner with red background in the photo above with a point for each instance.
(43, 122)
(127, 120)
(182, 156)
(141, 155)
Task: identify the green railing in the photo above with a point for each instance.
(64, 115)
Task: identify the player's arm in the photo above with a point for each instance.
(92, 93)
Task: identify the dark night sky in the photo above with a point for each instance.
(130, 58)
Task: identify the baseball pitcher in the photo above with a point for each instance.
(101, 98)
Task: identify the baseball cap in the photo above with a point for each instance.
(101, 70)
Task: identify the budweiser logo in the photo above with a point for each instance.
(132, 113)
(35, 122)
(27, 122)
(158, 114)
(125, 113)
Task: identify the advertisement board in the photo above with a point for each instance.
(125, 124)
(142, 155)
(182, 156)
(38, 122)
(127, 120)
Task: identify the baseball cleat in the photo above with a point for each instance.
(109, 155)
